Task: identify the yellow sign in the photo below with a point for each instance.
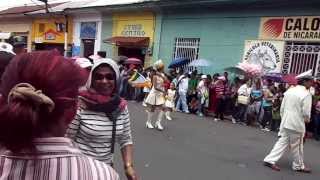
(306, 28)
(134, 25)
(51, 30)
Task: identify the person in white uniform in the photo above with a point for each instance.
(295, 112)
(156, 97)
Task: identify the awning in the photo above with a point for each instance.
(128, 41)
(5, 35)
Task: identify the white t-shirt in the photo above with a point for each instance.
(183, 85)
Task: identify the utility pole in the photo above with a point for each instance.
(66, 36)
(46, 5)
(65, 30)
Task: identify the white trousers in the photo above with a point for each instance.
(292, 140)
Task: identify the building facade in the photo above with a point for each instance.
(87, 34)
(288, 35)
(18, 27)
(50, 33)
(132, 35)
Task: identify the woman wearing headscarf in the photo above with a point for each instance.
(103, 119)
(38, 102)
(156, 97)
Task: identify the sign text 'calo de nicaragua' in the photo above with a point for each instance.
(306, 28)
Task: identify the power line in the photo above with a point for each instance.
(37, 4)
(46, 4)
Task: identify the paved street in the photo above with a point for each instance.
(193, 148)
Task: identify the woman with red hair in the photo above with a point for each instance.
(39, 100)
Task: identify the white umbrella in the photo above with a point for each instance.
(200, 63)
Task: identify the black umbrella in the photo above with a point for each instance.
(178, 62)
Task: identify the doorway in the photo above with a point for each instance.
(132, 52)
(88, 47)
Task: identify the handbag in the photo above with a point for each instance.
(243, 100)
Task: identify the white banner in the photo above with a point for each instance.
(267, 54)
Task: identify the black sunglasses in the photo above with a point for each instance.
(104, 76)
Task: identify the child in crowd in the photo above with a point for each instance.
(276, 118)
(203, 94)
(193, 105)
(170, 101)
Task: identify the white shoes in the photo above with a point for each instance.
(158, 123)
(234, 121)
(159, 126)
(216, 119)
(149, 125)
(168, 116)
(144, 104)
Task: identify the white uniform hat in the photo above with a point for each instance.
(305, 75)
(6, 47)
(83, 62)
(204, 76)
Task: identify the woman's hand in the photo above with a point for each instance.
(131, 173)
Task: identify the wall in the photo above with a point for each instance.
(106, 32)
(17, 25)
(222, 32)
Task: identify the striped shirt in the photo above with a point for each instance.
(56, 159)
(91, 131)
(219, 89)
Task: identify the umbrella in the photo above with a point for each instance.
(133, 61)
(290, 79)
(178, 62)
(235, 70)
(276, 77)
(120, 58)
(200, 63)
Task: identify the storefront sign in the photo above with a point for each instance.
(267, 54)
(51, 35)
(133, 30)
(306, 28)
(88, 30)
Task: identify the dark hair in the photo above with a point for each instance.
(58, 78)
(102, 54)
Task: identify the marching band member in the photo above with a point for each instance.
(156, 97)
(295, 112)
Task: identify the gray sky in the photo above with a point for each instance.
(10, 3)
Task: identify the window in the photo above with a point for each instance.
(300, 57)
(186, 48)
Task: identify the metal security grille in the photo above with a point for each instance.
(186, 48)
(300, 57)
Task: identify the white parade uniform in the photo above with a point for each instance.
(170, 98)
(295, 110)
(155, 97)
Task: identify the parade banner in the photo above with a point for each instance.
(303, 28)
(267, 54)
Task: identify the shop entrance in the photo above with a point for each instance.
(132, 52)
(88, 47)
